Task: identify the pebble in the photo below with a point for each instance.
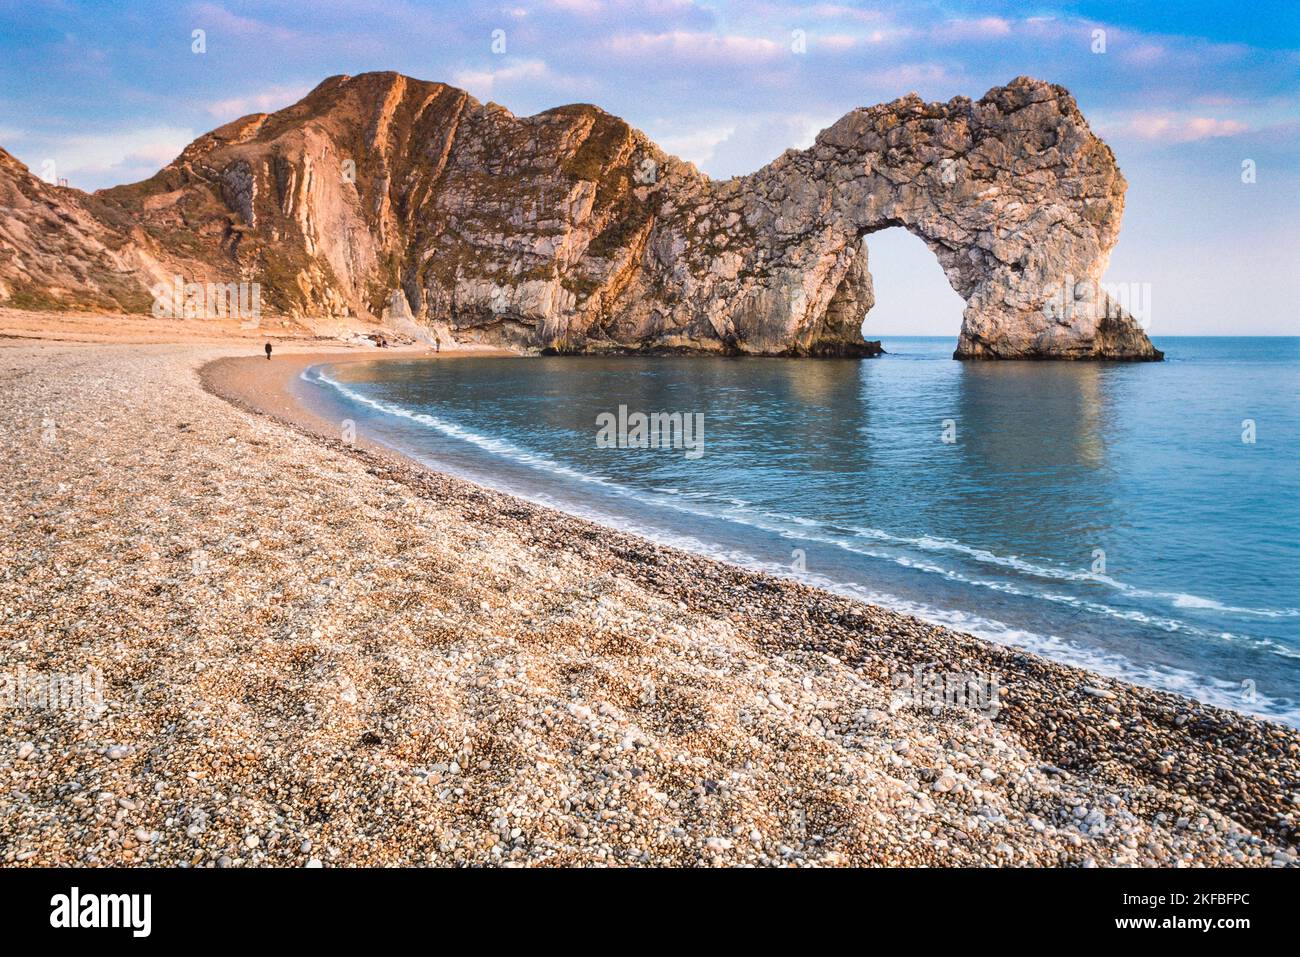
(617, 703)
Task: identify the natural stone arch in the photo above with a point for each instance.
(1014, 195)
(614, 245)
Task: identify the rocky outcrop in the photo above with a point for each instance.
(569, 231)
(61, 249)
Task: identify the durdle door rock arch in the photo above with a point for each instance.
(1015, 196)
(386, 198)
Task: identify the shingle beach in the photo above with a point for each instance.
(323, 655)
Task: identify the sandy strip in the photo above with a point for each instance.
(264, 385)
(316, 654)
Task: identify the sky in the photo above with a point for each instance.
(108, 91)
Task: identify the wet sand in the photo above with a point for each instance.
(261, 385)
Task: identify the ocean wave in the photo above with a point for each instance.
(1203, 688)
(1163, 623)
(1177, 599)
(854, 538)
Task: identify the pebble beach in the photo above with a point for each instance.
(321, 654)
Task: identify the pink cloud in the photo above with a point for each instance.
(1178, 129)
(619, 8)
(840, 11)
(687, 45)
(587, 7)
(1199, 128)
(266, 101)
(836, 42)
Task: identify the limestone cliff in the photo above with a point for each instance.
(571, 231)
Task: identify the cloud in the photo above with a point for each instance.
(96, 160)
(698, 145)
(266, 101)
(485, 83)
(909, 77)
(217, 20)
(740, 145)
(77, 55)
(985, 28)
(623, 8)
(837, 42)
(696, 46)
(588, 7)
(1172, 128)
(1199, 128)
(839, 11)
(1144, 54)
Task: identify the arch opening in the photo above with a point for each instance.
(913, 296)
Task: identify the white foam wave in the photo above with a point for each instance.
(1204, 688)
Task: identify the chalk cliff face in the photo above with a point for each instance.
(384, 197)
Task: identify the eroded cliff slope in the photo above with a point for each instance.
(385, 197)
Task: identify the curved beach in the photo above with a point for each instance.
(323, 653)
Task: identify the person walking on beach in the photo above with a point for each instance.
(437, 344)
(268, 352)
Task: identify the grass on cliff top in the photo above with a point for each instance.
(604, 141)
(118, 296)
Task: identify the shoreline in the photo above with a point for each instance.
(1155, 719)
(264, 388)
(316, 653)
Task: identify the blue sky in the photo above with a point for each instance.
(1184, 93)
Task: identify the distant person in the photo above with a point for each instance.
(437, 344)
(268, 352)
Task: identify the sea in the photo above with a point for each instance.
(1139, 520)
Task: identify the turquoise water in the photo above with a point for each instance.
(1108, 515)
